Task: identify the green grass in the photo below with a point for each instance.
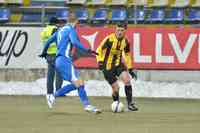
(29, 114)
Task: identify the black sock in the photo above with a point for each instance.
(115, 96)
(128, 91)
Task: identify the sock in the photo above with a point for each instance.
(66, 89)
(115, 96)
(83, 96)
(128, 91)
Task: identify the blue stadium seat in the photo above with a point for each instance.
(100, 16)
(118, 15)
(136, 16)
(82, 15)
(62, 14)
(193, 15)
(156, 15)
(31, 17)
(175, 15)
(4, 15)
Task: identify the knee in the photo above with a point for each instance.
(78, 83)
(127, 81)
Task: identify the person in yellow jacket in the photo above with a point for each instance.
(50, 58)
(111, 52)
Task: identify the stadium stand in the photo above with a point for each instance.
(4, 15)
(97, 2)
(118, 3)
(118, 15)
(31, 18)
(159, 3)
(139, 3)
(136, 15)
(76, 2)
(180, 3)
(156, 15)
(193, 15)
(100, 16)
(62, 14)
(82, 14)
(196, 3)
(175, 15)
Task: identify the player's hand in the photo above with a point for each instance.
(100, 64)
(133, 74)
(92, 52)
(43, 55)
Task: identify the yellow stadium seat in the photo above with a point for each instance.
(159, 3)
(118, 2)
(15, 18)
(196, 3)
(181, 3)
(139, 3)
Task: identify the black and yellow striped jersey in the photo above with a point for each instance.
(112, 50)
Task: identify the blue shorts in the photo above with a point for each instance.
(65, 68)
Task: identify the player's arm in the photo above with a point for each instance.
(47, 45)
(75, 40)
(101, 50)
(128, 59)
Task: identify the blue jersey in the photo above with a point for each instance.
(65, 39)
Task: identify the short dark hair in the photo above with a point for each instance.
(53, 20)
(122, 25)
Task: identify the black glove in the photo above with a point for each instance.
(133, 74)
(43, 55)
(92, 52)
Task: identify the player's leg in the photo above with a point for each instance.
(50, 80)
(110, 77)
(59, 81)
(124, 76)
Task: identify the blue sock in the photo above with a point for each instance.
(64, 90)
(83, 96)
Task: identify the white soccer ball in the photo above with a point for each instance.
(117, 107)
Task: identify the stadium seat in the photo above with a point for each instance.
(175, 15)
(139, 3)
(118, 3)
(97, 2)
(4, 15)
(118, 15)
(193, 15)
(82, 15)
(159, 3)
(156, 15)
(196, 4)
(136, 16)
(2, 1)
(62, 14)
(15, 2)
(31, 17)
(180, 3)
(76, 2)
(100, 16)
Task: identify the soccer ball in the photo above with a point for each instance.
(117, 107)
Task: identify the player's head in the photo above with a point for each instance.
(120, 30)
(53, 21)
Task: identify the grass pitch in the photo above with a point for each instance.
(30, 114)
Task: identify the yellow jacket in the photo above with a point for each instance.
(45, 34)
(111, 51)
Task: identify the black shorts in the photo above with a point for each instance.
(112, 74)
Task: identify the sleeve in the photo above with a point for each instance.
(49, 42)
(101, 50)
(127, 55)
(75, 40)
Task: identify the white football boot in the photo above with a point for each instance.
(50, 100)
(92, 109)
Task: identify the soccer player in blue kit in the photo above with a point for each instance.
(66, 38)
